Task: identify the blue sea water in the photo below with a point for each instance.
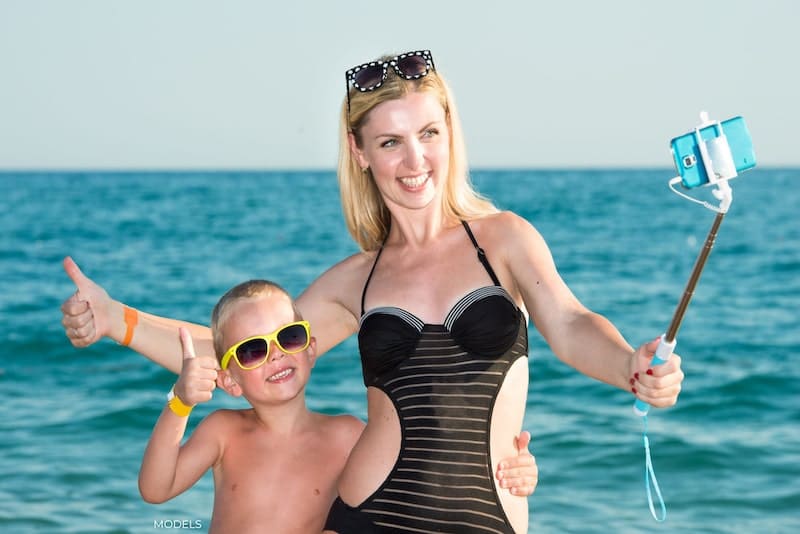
(74, 423)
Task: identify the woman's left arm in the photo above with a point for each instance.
(579, 337)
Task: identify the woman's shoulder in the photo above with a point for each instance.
(348, 274)
(340, 284)
(503, 228)
(358, 261)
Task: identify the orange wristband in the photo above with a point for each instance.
(131, 320)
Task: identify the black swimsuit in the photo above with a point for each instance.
(443, 381)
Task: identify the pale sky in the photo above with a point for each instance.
(238, 84)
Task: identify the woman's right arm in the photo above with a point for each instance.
(91, 314)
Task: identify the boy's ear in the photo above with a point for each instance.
(227, 383)
(312, 351)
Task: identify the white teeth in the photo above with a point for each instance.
(282, 374)
(415, 181)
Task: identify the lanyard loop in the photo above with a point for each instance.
(650, 479)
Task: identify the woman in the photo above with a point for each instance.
(440, 297)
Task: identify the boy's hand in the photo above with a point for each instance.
(519, 474)
(198, 375)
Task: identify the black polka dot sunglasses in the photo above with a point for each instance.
(370, 76)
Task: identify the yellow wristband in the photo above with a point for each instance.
(131, 320)
(176, 404)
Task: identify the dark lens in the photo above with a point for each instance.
(368, 77)
(252, 352)
(412, 65)
(293, 338)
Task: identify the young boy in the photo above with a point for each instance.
(276, 464)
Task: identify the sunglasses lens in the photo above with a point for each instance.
(413, 65)
(368, 77)
(252, 352)
(293, 338)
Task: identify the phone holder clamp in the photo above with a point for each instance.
(718, 161)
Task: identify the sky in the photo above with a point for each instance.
(258, 84)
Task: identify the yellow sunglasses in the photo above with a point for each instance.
(254, 351)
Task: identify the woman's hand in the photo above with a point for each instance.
(86, 314)
(519, 474)
(657, 385)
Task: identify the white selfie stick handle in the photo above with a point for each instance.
(663, 352)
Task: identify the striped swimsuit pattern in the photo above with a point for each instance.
(444, 395)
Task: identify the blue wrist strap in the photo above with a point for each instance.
(650, 479)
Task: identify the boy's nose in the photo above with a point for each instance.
(275, 353)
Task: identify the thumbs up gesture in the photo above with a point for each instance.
(85, 314)
(198, 375)
(519, 474)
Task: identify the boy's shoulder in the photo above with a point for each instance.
(340, 420)
(338, 424)
(225, 417)
(345, 420)
(345, 427)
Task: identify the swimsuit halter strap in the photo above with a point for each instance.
(371, 271)
(481, 254)
(481, 257)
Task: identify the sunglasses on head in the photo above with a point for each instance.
(254, 351)
(370, 76)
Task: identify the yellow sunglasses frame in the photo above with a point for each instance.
(271, 337)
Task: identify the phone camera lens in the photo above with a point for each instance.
(689, 161)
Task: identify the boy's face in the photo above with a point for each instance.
(282, 376)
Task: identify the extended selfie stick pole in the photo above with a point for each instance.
(668, 341)
(718, 162)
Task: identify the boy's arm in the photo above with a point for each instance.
(168, 468)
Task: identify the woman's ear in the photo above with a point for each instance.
(357, 153)
(227, 382)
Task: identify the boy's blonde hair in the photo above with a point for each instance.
(245, 290)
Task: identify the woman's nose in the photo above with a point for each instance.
(415, 154)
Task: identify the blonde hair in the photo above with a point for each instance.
(246, 290)
(365, 213)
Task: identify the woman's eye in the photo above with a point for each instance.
(431, 132)
(389, 143)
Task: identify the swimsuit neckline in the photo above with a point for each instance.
(455, 311)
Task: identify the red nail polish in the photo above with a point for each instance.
(633, 381)
(649, 371)
(636, 376)
(633, 390)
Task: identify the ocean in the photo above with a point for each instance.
(74, 422)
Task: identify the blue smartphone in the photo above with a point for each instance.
(689, 160)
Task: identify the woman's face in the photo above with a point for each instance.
(405, 143)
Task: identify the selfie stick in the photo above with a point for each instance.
(718, 161)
